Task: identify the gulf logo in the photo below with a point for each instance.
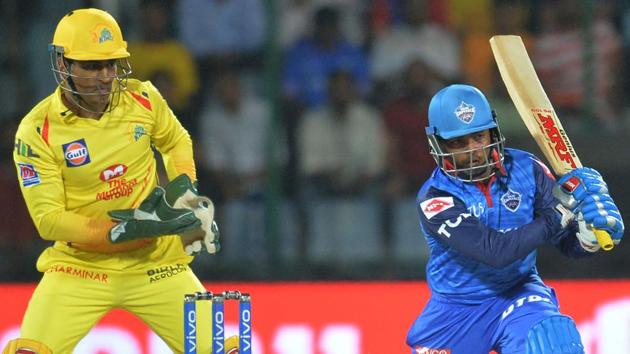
(76, 153)
(113, 171)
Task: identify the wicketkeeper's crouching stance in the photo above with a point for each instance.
(86, 167)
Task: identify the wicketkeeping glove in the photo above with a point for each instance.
(182, 193)
(154, 217)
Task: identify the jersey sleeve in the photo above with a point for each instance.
(565, 240)
(447, 219)
(171, 139)
(42, 187)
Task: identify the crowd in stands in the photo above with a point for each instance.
(343, 119)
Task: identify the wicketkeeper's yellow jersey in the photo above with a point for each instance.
(72, 170)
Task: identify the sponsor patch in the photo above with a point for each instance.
(465, 112)
(511, 200)
(76, 153)
(571, 184)
(432, 207)
(426, 350)
(523, 301)
(113, 171)
(28, 174)
(24, 149)
(117, 188)
(164, 272)
(79, 273)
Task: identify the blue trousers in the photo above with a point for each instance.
(500, 323)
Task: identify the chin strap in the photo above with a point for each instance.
(497, 162)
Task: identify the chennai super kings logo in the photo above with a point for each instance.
(102, 34)
(138, 132)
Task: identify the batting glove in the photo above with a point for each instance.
(600, 211)
(573, 187)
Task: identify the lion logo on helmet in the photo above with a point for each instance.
(102, 34)
(465, 112)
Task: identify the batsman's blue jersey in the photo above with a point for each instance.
(483, 237)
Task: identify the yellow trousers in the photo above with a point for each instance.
(70, 300)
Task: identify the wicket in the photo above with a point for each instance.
(218, 320)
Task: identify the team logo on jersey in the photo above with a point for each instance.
(511, 200)
(113, 171)
(28, 174)
(76, 153)
(138, 132)
(426, 350)
(465, 112)
(24, 149)
(432, 207)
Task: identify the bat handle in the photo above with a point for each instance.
(604, 240)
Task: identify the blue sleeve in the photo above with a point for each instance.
(446, 218)
(565, 240)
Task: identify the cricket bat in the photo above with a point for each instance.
(536, 111)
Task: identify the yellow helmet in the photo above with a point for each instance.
(89, 34)
(86, 35)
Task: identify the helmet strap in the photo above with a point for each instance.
(496, 157)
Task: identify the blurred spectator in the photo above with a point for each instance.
(476, 22)
(40, 19)
(309, 62)
(415, 38)
(295, 18)
(234, 127)
(408, 163)
(158, 57)
(383, 14)
(559, 59)
(222, 33)
(342, 144)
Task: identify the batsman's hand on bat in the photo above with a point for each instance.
(573, 187)
(598, 211)
(154, 217)
(585, 193)
(181, 192)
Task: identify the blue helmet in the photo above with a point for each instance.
(459, 110)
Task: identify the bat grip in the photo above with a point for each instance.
(604, 240)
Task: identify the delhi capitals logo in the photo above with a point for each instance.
(511, 200)
(465, 112)
(106, 35)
